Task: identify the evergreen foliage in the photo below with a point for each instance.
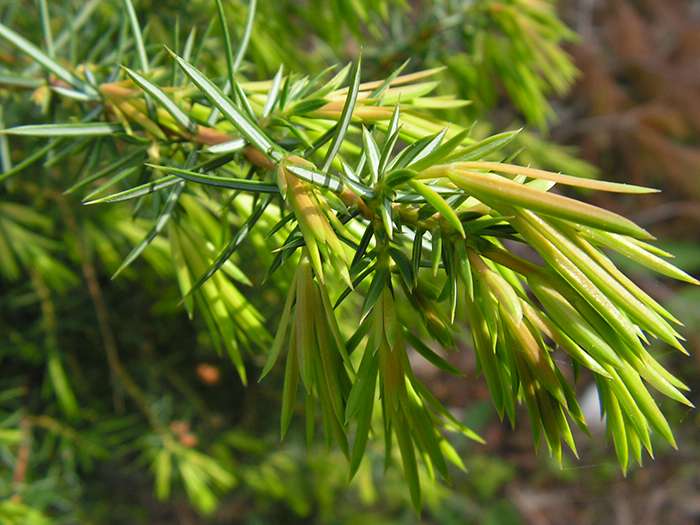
(318, 225)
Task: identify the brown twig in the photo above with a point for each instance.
(21, 465)
(120, 375)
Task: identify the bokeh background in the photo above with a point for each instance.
(627, 110)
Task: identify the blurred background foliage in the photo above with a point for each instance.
(615, 83)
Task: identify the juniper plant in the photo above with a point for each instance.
(362, 204)
(485, 44)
